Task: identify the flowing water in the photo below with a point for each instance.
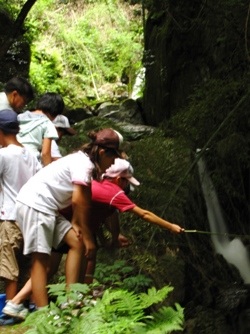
(234, 250)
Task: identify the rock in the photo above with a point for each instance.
(128, 111)
(135, 132)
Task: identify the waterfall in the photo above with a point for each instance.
(139, 82)
(233, 250)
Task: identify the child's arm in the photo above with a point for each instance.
(113, 225)
(152, 218)
(81, 200)
(46, 151)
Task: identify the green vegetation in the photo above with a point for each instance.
(118, 311)
(80, 49)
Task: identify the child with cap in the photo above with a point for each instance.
(109, 196)
(64, 182)
(62, 125)
(17, 165)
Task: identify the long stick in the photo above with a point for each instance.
(216, 233)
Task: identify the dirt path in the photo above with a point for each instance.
(15, 329)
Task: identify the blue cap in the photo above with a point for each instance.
(8, 121)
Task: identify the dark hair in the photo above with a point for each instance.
(51, 103)
(22, 86)
(92, 150)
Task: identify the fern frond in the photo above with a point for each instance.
(166, 320)
(122, 303)
(154, 296)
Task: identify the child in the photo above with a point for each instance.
(64, 182)
(36, 127)
(17, 165)
(62, 125)
(108, 197)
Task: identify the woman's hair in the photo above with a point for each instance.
(92, 150)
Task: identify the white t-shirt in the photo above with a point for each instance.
(17, 166)
(4, 102)
(55, 152)
(51, 189)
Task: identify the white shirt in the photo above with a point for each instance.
(17, 165)
(55, 152)
(4, 102)
(51, 189)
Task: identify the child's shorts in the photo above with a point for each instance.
(41, 231)
(11, 248)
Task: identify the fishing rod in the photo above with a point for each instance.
(217, 233)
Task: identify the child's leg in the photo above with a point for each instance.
(10, 288)
(89, 272)
(74, 257)
(40, 265)
(23, 294)
(55, 260)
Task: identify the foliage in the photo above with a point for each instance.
(78, 49)
(119, 311)
(120, 275)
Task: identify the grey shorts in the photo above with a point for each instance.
(41, 231)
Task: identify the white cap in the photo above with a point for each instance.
(121, 168)
(62, 121)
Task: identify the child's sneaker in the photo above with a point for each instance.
(14, 310)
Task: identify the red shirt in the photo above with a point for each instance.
(106, 198)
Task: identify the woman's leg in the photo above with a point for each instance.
(74, 257)
(40, 265)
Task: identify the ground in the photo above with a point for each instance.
(17, 329)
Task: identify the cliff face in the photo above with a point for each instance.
(187, 44)
(197, 70)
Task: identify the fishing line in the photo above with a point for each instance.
(217, 233)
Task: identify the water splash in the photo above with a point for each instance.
(234, 250)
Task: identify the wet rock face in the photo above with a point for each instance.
(17, 60)
(185, 47)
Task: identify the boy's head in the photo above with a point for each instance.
(122, 173)
(62, 125)
(8, 122)
(19, 92)
(51, 104)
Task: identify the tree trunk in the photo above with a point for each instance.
(16, 28)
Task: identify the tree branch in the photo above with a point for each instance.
(15, 31)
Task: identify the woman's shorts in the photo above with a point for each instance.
(41, 231)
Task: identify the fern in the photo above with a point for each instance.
(166, 320)
(154, 296)
(119, 311)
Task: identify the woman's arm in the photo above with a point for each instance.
(152, 218)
